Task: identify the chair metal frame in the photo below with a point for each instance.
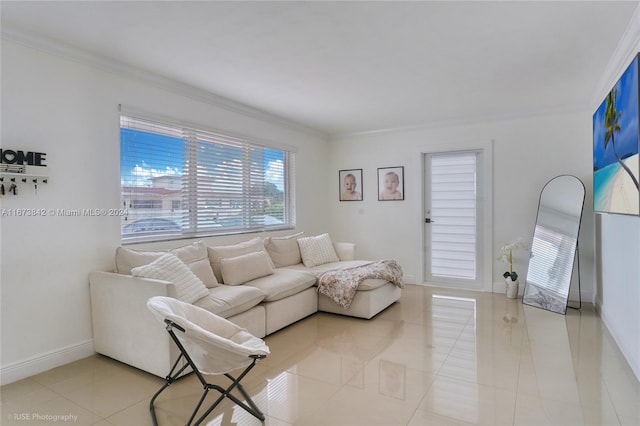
(176, 372)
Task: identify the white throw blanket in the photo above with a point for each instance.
(341, 285)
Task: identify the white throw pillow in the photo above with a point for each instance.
(284, 251)
(317, 250)
(168, 267)
(244, 268)
(219, 252)
(193, 255)
(197, 259)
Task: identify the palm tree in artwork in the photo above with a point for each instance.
(612, 124)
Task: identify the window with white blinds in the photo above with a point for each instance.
(453, 214)
(179, 181)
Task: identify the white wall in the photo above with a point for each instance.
(618, 282)
(618, 236)
(69, 110)
(527, 152)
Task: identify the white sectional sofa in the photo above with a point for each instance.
(262, 285)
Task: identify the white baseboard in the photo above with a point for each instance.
(40, 363)
(584, 296)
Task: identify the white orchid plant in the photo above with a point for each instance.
(506, 256)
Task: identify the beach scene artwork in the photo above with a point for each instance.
(616, 137)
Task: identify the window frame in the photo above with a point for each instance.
(255, 155)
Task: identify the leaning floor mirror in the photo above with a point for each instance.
(554, 248)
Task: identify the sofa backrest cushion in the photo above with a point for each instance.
(194, 255)
(244, 268)
(234, 250)
(168, 267)
(284, 251)
(317, 250)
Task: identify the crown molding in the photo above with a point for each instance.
(627, 48)
(469, 121)
(113, 66)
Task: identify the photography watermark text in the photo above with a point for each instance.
(33, 212)
(42, 417)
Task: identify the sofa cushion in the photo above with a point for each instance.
(246, 267)
(227, 301)
(193, 255)
(283, 283)
(219, 252)
(317, 250)
(168, 267)
(284, 251)
(127, 259)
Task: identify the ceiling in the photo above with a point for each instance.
(345, 67)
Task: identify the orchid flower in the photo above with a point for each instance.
(506, 256)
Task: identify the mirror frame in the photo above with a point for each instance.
(544, 297)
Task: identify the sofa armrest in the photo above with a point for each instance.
(345, 251)
(123, 326)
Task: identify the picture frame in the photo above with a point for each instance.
(616, 146)
(391, 183)
(350, 185)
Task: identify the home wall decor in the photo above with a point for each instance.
(350, 185)
(616, 141)
(391, 183)
(21, 166)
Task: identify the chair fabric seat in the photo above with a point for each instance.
(216, 345)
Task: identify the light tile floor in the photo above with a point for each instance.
(437, 357)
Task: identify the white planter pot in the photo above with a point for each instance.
(511, 288)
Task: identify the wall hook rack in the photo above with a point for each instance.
(22, 178)
(22, 166)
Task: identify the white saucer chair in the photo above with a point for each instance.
(210, 345)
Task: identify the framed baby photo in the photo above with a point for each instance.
(350, 185)
(391, 183)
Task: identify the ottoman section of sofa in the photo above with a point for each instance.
(372, 296)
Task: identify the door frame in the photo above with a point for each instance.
(486, 256)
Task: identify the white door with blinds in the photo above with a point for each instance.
(453, 222)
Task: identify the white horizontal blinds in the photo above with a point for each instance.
(453, 215)
(151, 171)
(189, 212)
(550, 267)
(289, 196)
(218, 182)
(272, 176)
(228, 184)
(239, 185)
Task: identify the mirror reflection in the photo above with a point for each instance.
(554, 244)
